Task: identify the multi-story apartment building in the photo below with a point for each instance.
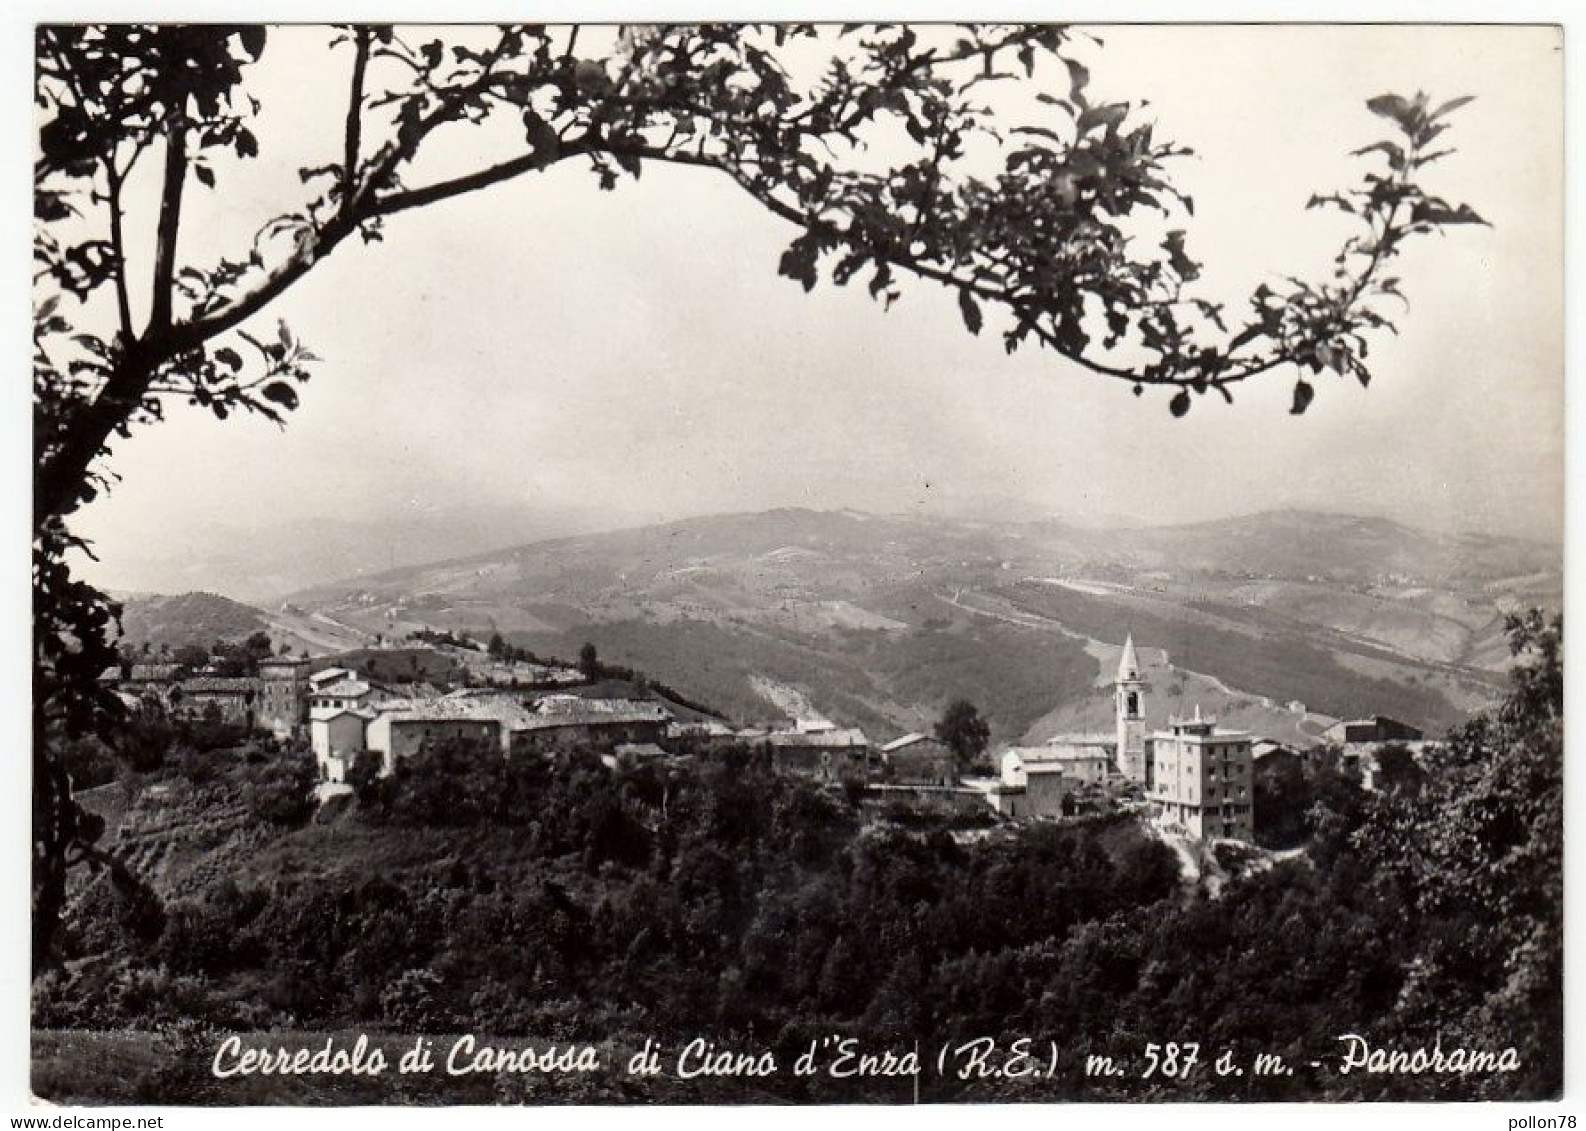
(1199, 779)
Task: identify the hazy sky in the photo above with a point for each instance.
(543, 343)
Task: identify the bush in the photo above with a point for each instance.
(146, 737)
(411, 1003)
(89, 762)
(198, 767)
(210, 936)
(280, 789)
(453, 783)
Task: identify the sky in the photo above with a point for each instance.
(634, 356)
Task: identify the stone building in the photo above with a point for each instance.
(828, 755)
(561, 722)
(329, 675)
(1039, 791)
(347, 692)
(398, 728)
(1271, 758)
(1376, 729)
(919, 759)
(337, 738)
(402, 727)
(1082, 763)
(283, 696)
(231, 699)
(1035, 781)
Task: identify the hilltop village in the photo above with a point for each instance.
(1194, 778)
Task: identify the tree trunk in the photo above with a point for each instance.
(59, 481)
(54, 818)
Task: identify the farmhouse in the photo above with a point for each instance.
(919, 759)
(1035, 781)
(826, 755)
(337, 739)
(1082, 763)
(162, 674)
(344, 693)
(1375, 729)
(397, 728)
(232, 699)
(708, 733)
(1040, 793)
(400, 727)
(563, 721)
(329, 675)
(1270, 758)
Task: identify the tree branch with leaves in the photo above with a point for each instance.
(878, 144)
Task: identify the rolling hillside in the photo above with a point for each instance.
(190, 618)
(879, 620)
(204, 618)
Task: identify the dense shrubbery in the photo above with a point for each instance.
(1472, 856)
(89, 762)
(718, 897)
(1299, 795)
(150, 739)
(278, 786)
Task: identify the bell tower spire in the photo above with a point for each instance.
(1129, 663)
(1129, 693)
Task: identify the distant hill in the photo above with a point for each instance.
(1299, 544)
(257, 561)
(880, 620)
(190, 618)
(203, 618)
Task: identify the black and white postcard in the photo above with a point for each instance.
(808, 564)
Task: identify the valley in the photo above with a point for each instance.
(1279, 622)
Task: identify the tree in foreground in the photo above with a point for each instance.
(1058, 229)
(1476, 859)
(964, 732)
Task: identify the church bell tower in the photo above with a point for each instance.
(1129, 692)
